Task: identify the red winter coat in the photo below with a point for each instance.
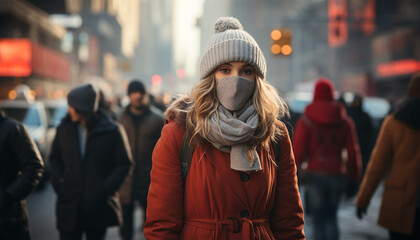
(321, 135)
(218, 202)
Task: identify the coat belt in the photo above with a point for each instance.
(234, 225)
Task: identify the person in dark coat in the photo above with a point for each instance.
(89, 160)
(143, 126)
(21, 168)
(322, 134)
(364, 128)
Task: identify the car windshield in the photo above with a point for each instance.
(29, 116)
(57, 114)
(375, 107)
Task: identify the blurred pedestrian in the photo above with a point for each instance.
(21, 169)
(323, 133)
(143, 127)
(236, 187)
(106, 106)
(396, 157)
(89, 160)
(364, 128)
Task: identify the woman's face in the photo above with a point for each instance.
(242, 69)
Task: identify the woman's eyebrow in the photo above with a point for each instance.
(247, 65)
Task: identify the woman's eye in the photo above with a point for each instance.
(248, 71)
(224, 70)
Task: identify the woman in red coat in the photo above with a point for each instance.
(234, 189)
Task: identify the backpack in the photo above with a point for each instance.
(187, 152)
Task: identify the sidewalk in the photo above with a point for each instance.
(351, 228)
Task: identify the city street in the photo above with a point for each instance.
(42, 221)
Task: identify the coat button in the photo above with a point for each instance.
(244, 177)
(244, 214)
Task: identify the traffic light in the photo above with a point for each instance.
(337, 24)
(281, 41)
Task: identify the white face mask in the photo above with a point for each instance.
(233, 92)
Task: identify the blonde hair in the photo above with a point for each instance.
(203, 103)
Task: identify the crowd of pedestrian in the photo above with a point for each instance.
(219, 163)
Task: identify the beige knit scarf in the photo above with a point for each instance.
(230, 133)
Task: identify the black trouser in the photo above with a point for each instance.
(415, 234)
(91, 234)
(126, 230)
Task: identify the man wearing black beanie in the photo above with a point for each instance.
(90, 159)
(143, 127)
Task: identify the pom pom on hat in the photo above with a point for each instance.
(231, 43)
(226, 23)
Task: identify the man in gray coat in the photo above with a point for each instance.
(143, 126)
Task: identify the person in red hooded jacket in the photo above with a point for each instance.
(325, 139)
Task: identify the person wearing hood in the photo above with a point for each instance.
(235, 188)
(396, 158)
(89, 161)
(323, 133)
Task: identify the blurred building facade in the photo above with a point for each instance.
(66, 42)
(365, 46)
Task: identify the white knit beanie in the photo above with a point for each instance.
(231, 43)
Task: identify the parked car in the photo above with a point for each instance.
(33, 116)
(57, 110)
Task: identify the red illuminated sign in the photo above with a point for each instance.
(49, 63)
(398, 67)
(22, 58)
(15, 57)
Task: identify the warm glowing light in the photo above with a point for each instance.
(286, 50)
(32, 93)
(156, 79)
(16, 57)
(398, 67)
(275, 49)
(12, 94)
(275, 35)
(180, 72)
(58, 94)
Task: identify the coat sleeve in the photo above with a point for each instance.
(286, 218)
(300, 142)
(123, 162)
(29, 161)
(165, 199)
(354, 159)
(379, 164)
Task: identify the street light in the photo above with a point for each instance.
(281, 42)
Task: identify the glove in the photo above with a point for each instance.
(361, 212)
